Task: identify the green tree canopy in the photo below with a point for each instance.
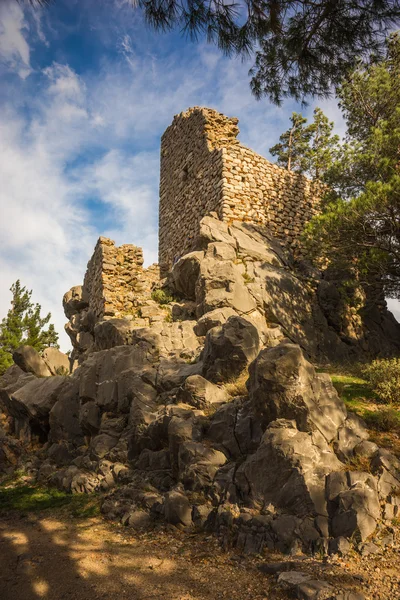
(24, 325)
(360, 224)
(308, 149)
(291, 150)
(301, 47)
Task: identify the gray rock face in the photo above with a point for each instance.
(235, 429)
(353, 504)
(64, 415)
(351, 435)
(73, 301)
(177, 509)
(214, 318)
(31, 404)
(229, 349)
(200, 393)
(221, 284)
(57, 362)
(30, 361)
(283, 384)
(185, 273)
(113, 332)
(288, 470)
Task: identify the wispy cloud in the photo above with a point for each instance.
(14, 49)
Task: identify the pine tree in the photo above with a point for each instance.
(24, 325)
(360, 226)
(323, 146)
(292, 149)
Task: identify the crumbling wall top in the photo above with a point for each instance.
(218, 129)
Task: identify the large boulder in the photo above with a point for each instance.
(221, 284)
(185, 273)
(284, 385)
(30, 361)
(73, 302)
(14, 378)
(57, 362)
(113, 332)
(229, 349)
(214, 318)
(288, 470)
(200, 393)
(353, 504)
(235, 429)
(64, 415)
(177, 509)
(30, 406)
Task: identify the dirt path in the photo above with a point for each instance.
(53, 558)
(57, 557)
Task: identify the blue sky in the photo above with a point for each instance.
(86, 92)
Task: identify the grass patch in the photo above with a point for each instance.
(383, 422)
(237, 387)
(29, 498)
(353, 390)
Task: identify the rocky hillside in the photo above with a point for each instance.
(207, 411)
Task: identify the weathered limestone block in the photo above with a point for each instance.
(288, 470)
(284, 385)
(57, 362)
(229, 349)
(30, 361)
(200, 393)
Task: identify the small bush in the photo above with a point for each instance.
(387, 420)
(62, 371)
(161, 297)
(247, 278)
(384, 378)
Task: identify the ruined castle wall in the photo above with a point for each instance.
(257, 191)
(205, 168)
(191, 177)
(115, 280)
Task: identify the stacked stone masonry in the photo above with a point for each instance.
(204, 168)
(115, 282)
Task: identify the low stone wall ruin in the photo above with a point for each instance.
(115, 280)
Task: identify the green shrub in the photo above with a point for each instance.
(247, 278)
(387, 420)
(384, 377)
(62, 371)
(161, 297)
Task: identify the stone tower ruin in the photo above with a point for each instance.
(205, 168)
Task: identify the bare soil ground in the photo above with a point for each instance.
(56, 557)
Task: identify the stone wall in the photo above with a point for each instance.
(115, 281)
(205, 168)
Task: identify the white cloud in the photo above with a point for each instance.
(14, 49)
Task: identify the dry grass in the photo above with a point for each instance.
(237, 387)
(359, 463)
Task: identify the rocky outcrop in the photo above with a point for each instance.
(207, 411)
(30, 361)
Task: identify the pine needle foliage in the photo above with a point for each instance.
(301, 48)
(24, 325)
